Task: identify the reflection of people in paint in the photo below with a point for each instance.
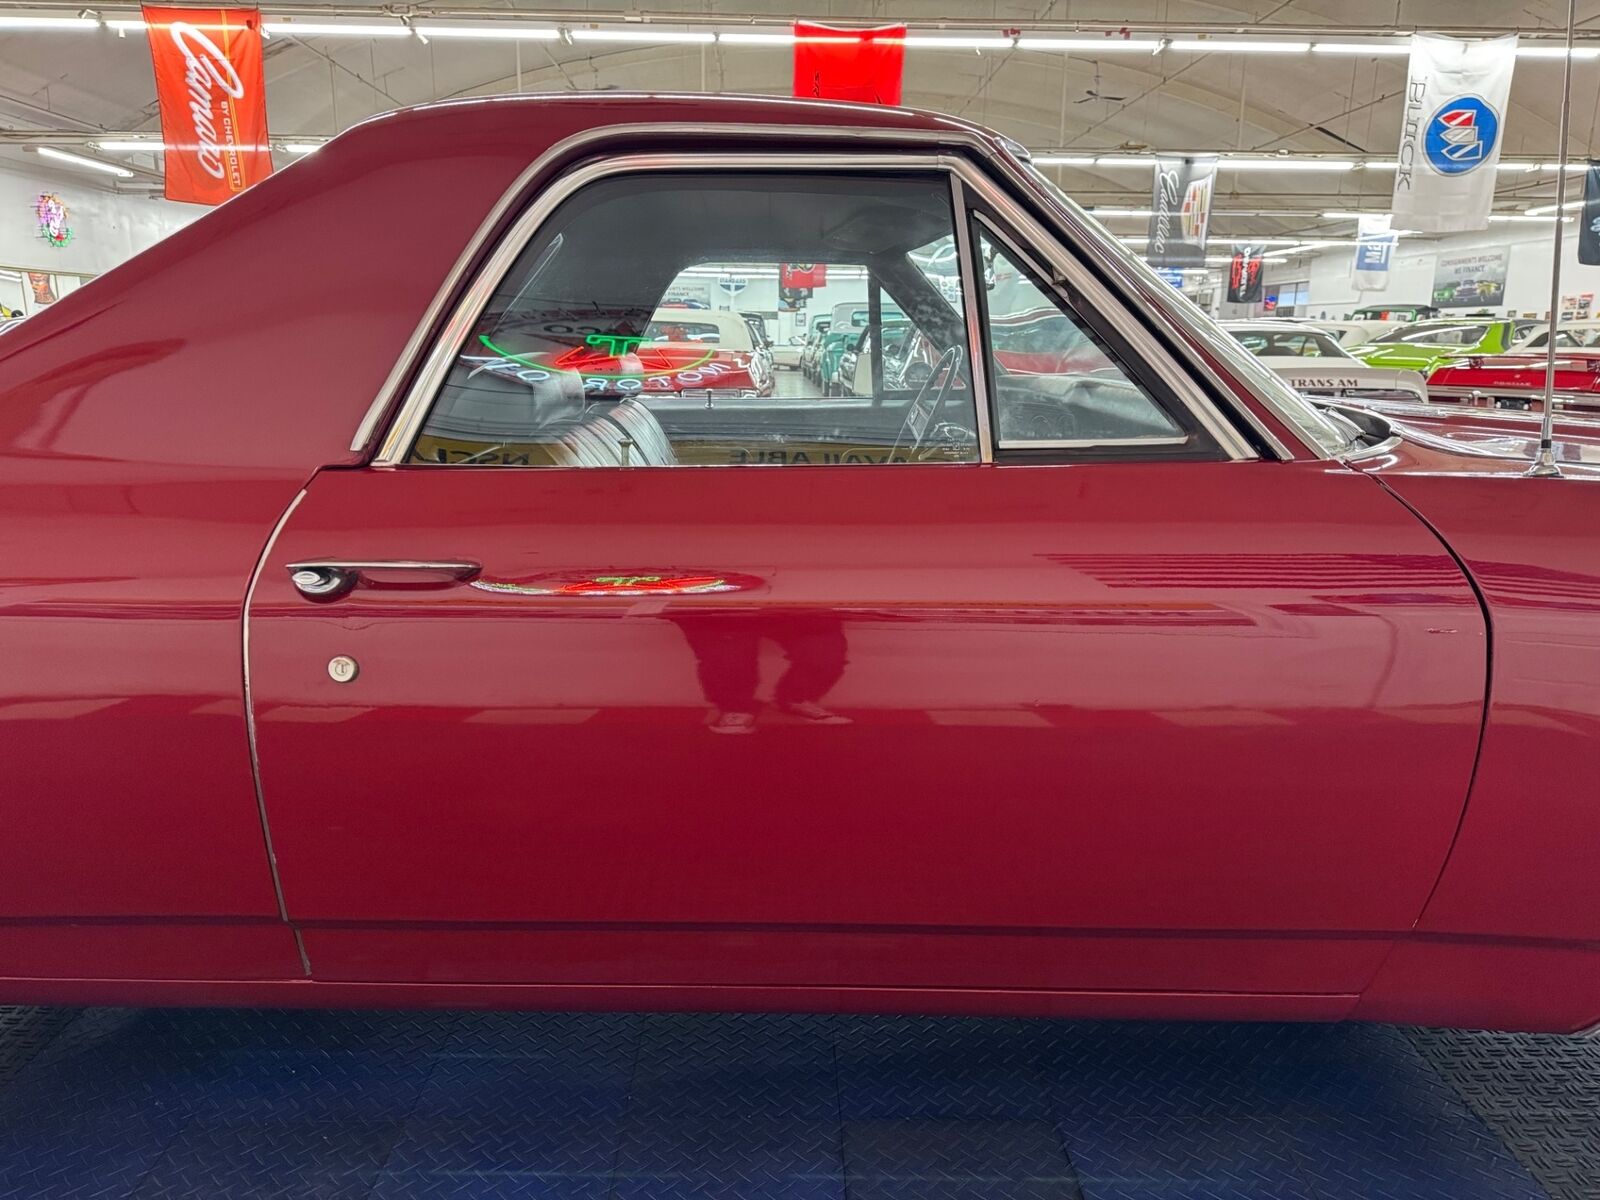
(726, 647)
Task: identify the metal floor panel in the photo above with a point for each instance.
(169, 1104)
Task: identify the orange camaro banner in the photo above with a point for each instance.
(864, 65)
(213, 100)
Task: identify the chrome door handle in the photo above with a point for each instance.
(325, 579)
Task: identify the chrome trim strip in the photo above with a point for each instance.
(1192, 398)
(1094, 443)
(1076, 223)
(970, 281)
(250, 716)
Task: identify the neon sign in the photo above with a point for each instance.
(616, 344)
(579, 358)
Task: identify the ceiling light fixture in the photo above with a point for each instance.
(502, 32)
(926, 41)
(78, 160)
(1237, 46)
(643, 35)
(1106, 45)
(1285, 164)
(48, 24)
(333, 29)
(1363, 48)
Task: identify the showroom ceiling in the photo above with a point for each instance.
(1084, 102)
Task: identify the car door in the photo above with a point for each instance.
(1061, 687)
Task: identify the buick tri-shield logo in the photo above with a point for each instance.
(1461, 136)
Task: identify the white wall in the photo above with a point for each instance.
(1411, 275)
(107, 228)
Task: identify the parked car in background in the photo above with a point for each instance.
(1355, 333)
(786, 354)
(1314, 363)
(813, 347)
(1569, 335)
(1394, 312)
(1517, 381)
(413, 670)
(1418, 347)
(855, 368)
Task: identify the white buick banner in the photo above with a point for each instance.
(1374, 252)
(1180, 210)
(1451, 132)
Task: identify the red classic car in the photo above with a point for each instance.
(1147, 690)
(1517, 381)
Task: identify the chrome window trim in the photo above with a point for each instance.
(1076, 224)
(1171, 379)
(420, 397)
(424, 390)
(977, 361)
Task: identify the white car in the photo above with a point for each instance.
(1355, 333)
(788, 355)
(1312, 360)
(1570, 335)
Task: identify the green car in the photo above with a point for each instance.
(1418, 347)
(833, 349)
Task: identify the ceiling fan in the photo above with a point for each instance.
(1094, 92)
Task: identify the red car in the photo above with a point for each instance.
(1517, 381)
(1151, 690)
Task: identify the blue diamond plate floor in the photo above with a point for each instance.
(158, 1105)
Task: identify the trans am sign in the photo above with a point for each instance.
(1451, 132)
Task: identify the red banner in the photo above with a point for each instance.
(213, 100)
(864, 65)
(802, 275)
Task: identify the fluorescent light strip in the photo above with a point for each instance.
(499, 33)
(77, 160)
(934, 42)
(48, 24)
(1578, 52)
(1239, 46)
(642, 35)
(1108, 45)
(1063, 160)
(1542, 209)
(741, 38)
(1361, 48)
(333, 29)
(1285, 164)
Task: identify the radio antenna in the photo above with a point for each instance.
(1544, 462)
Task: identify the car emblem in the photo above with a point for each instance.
(1461, 136)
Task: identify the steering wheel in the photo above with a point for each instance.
(919, 425)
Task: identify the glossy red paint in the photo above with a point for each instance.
(1187, 739)
(1064, 699)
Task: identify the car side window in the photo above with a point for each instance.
(622, 334)
(1056, 383)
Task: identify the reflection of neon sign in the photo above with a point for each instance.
(579, 358)
(616, 585)
(616, 344)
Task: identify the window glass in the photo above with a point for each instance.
(1055, 382)
(1435, 334)
(1279, 343)
(629, 332)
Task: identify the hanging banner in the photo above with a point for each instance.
(212, 92)
(1244, 274)
(1473, 279)
(1589, 224)
(1180, 203)
(1451, 132)
(1375, 241)
(802, 275)
(863, 65)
